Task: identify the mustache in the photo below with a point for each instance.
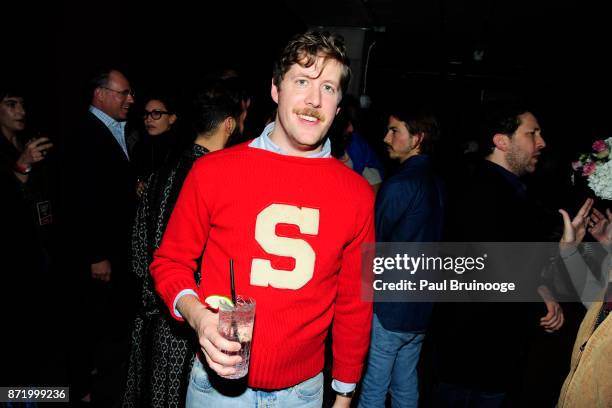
(310, 112)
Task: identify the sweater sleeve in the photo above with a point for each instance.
(585, 282)
(176, 260)
(353, 315)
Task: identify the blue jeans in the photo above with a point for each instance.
(391, 367)
(202, 392)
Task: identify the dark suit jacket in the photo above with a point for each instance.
(104, 194)
(480, 345)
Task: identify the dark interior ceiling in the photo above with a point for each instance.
(529, 38)
(560, 46)
(513, 36)
(554, 53)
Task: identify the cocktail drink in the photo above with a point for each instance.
(236, 324)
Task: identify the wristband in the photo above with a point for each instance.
(349, 394)
(22, 169)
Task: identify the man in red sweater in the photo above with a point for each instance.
(293, 219)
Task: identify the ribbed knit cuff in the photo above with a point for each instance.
(346, 373)
(170, 290)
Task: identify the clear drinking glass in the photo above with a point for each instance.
(236, 324)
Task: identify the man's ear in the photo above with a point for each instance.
(229, 124)
(97, 94)
(172, 119)
(419, 139)
(274, 92)
(501, 141)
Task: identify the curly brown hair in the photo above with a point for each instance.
(304, 49)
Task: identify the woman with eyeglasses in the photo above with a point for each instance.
(160, 143)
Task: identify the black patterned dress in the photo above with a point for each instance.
(162, 349)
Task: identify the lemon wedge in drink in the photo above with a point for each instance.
(219, 301)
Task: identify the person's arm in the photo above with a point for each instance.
(574, 230)
(554, 318)
(35, 151)
(353, 315)
(394, 202)
(101, 270)
(93, 197)
(584, 281)
(344, 393)
(175, 261)
(205, 323)
(173, 267)
(600, 227)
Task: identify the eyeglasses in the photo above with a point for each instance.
(155, 114)
(125, 93)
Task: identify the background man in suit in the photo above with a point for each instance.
(104, 202)
(111, 101)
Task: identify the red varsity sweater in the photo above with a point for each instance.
(295, 228)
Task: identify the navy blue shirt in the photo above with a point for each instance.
(409, 208)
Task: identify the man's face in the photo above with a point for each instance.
(401, 144)
(525, 145)
(307, 101)
(115, 99)
(12, 114)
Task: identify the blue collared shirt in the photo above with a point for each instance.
(264, 142)
(115, 127)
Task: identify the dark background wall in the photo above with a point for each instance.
(554, 53)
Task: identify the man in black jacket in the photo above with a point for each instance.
(480, 347)
(103, 198)
(107, 182)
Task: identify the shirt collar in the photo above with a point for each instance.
(416, 160)
(107, 120)
(264, 142)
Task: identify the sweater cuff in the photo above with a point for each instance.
(170, 294)
(346, 373)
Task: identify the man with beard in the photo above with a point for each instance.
(479, 348)
(293, 220)
(409, 208)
